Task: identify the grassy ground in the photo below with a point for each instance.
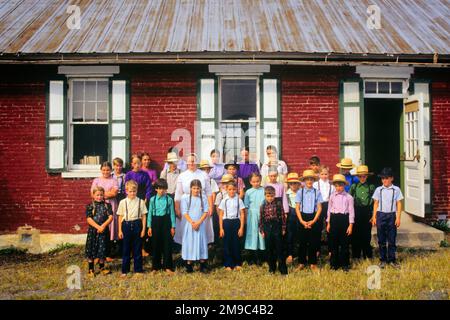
(423, 275)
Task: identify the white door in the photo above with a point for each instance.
(414, 155)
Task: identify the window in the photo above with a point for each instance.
(88, 123)
(239, 117)
(383, 89)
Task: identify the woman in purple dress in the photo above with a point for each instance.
(247, 167)
(218, 169)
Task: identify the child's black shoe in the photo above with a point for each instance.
(204, 267)
(189, 268)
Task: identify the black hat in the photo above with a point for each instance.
(386, 172)
(232, 163)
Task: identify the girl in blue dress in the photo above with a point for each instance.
(254, 197)
(194, 208)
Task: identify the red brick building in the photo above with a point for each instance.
(137, 76)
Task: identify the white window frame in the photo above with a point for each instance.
(258, 113)
(404, 94)
(86, 168)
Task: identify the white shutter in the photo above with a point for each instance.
(350, 121)
(207, 118)
(119, 124)
(56, 126)
(270, 117)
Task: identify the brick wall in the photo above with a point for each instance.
(440, 141)
(310, 116)
(161, 102)
(28, 194)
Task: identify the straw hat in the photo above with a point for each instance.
(204, 164)
(339, 178)
(346, 163)
(227, 178)
(309, 174)
(363, 170)
(171, 157)
(292, 177)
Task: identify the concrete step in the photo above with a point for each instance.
(412, 234)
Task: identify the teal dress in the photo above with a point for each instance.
(253, 201)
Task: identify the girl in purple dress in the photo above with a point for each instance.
(146, 163)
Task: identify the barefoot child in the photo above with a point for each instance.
(194, 245)
(273, 227)
(340, 219)
(132, 220)
(254, 198)
(231, 222)
(362, 193)
(387, 209)
(292, 220)
(111, 188)
(308, 209)
(161, 226)
(99, 216)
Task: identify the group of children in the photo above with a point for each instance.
(270, 221)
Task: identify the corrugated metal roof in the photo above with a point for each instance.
(272, 26)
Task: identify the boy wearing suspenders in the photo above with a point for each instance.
(132, 217)
(308, 209)
(161, 227)
(231, 222)
(387, 209)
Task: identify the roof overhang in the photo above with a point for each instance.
(279, 58)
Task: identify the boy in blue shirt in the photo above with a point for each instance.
(387, 209)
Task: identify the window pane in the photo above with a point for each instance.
(102, 111)
(238, 99)
(383, 87)
(89, 111)
(371, 87)
(78, 90)
(102, 91)
(90, 141)
(396, 87)
(90, 88)
(77, 112)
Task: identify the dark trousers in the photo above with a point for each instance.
(339, 240)
(292, 231)
(362, 233)
(308, 241)
(231, 244)
(321, 223)
(161, 242)
(387, 234)
(274, 246)
(132, 241)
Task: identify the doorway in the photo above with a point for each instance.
(382, 135)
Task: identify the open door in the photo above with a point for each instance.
(413, 156)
